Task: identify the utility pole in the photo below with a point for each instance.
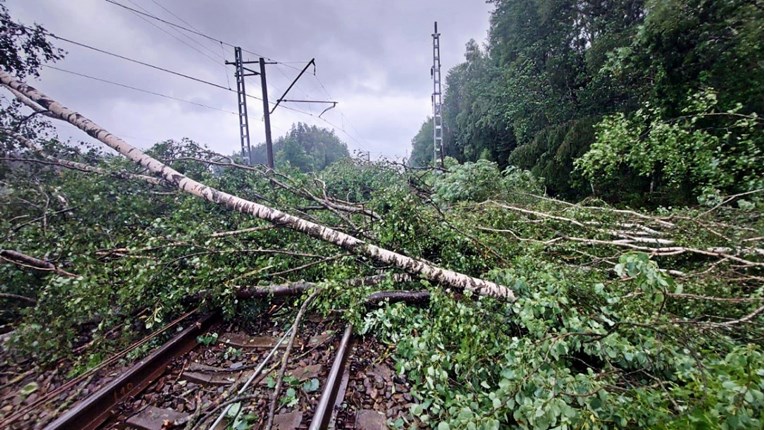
(266, 113)
(241, 94)
(244, 127)
(435, 72)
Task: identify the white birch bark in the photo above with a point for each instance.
(416, 267)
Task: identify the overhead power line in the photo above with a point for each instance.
(132, 60)
(143, 63)
(145, 91)
(192, 78)
(198, 33)
(174, 15)
(222, 42)
(137, 89)
(206, 54)
(196, 42)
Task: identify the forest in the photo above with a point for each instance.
(591, 250)
(644, 103)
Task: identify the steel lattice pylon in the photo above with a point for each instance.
(435, 71)
(244, 126)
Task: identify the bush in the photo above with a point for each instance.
(468, 182)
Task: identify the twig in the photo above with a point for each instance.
(24, 260)
(255, 374)
(305, 266)
(73, 165)
(672, 250)
(535, 213)
(712, 298)
(285, 358)
(17, 297)
(657, 220)
(728, 200)
(190, 419)
(740, 320)
(244, 230)
(22, 225)
(298, 287)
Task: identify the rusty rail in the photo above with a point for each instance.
(324, 408)
(97, 408)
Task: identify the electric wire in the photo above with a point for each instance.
(132, 60)
(287, 79)
(154, 93)
(221, 55)
(176, 37)
(228, 82)
(199, 80)
(198, 33)
(182, 34)
(174, 15)
(334, 126)
(322, 86)
(221, 42)
(194, 31)
(130, 87)
(143, 63)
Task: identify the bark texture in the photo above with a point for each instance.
(416, 267)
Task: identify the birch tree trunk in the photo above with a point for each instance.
(410, 265)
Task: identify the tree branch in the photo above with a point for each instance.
(350, 243)
(24, 260)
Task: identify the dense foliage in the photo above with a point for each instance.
(422, 145)
(556, 76)
(602, 335)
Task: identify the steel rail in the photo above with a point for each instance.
(99, 407)
(324, 408)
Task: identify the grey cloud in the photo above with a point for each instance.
(373, 57)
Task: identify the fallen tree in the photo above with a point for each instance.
(36, 99)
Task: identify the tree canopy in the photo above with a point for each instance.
(308, 148)
(555, 75)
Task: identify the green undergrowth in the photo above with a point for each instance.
(571, 352)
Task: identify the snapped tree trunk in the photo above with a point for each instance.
(414, 266)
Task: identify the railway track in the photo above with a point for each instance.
(216, 376)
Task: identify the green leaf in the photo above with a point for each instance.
(233, 410)
(270, 381)
(496, 403)
(311, 386)
(28, 389)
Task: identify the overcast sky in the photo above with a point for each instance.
(373, 57)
